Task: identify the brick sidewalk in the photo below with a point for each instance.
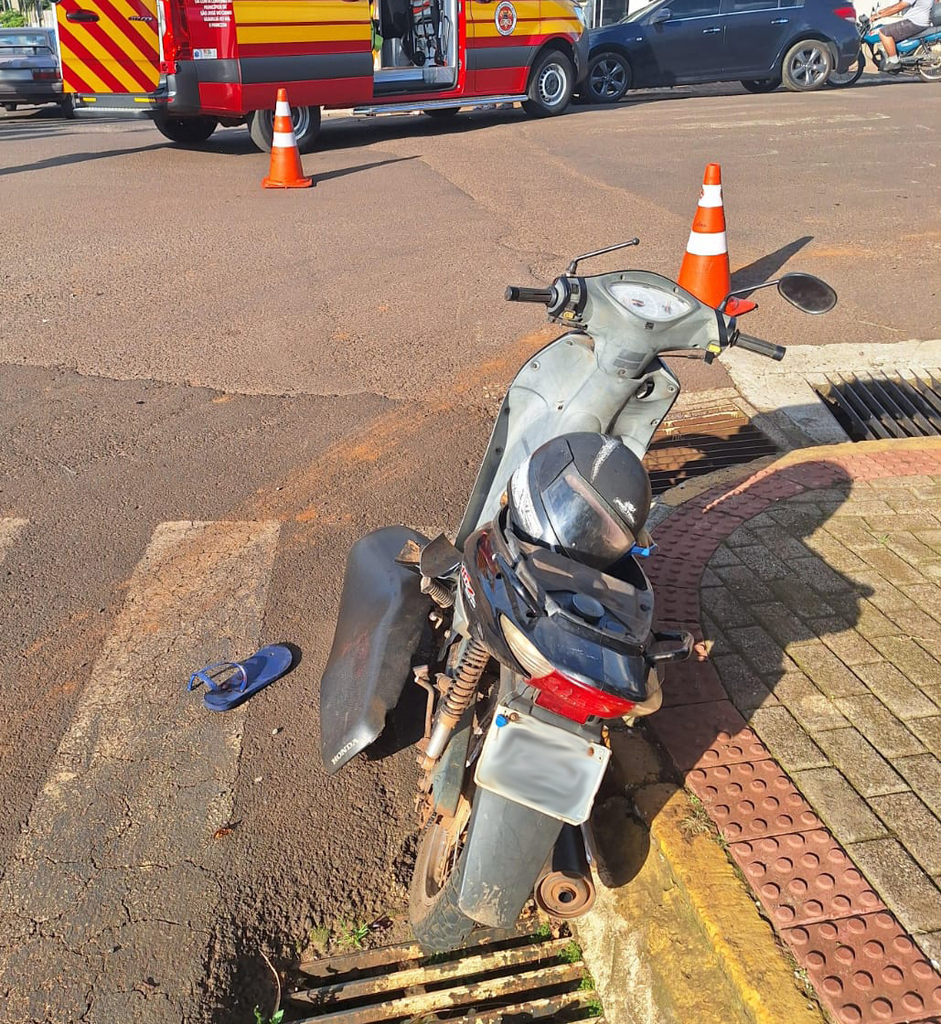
(814, 589)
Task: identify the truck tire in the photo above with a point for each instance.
(441, 113)
(551, 84)
(807, 66)
(306, 121)
(188, 131)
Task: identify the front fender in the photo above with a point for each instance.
(379, 625)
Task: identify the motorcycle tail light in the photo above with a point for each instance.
(570, 698)
(577, 701)
(849, 13)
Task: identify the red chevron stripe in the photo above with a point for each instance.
(94, 63)
(148, 47)
(113, 47)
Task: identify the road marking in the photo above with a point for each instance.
(10, 529)
(110, 896)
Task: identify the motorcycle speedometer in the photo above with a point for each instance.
(649, 302)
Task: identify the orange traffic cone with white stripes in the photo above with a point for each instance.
(705, 269)
(286, 170)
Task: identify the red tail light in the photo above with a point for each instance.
(176, 37)
(40, 75)
(849, 13)
(575, 700)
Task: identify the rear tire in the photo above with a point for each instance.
(929, 70)
(306, 121)
(551, 84)
(187, 131)
(437, 921)
(807, 66)
(762, 85)
(841, 79)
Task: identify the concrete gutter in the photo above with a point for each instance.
(674, 936)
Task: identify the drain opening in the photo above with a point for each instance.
(497, 980)
(880, 406)
(695, 442)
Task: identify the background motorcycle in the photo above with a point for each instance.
(919, 54)
(513, 749)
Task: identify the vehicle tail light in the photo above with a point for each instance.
(577, 701)
(570, 698)
(849, 13)
(176, 37)
(45, 75)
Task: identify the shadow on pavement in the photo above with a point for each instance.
(765, 268)
(75, 158)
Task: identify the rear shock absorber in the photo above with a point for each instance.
(470, 667)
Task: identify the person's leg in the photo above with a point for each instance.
(888, 44)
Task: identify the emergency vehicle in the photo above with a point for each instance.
(192, 65)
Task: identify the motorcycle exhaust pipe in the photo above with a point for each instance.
(565, 888)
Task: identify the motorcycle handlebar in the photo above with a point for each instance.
(760, 347)
(517, 293)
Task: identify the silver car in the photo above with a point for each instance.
(29, 68)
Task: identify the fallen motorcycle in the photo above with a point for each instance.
(539, 620)
(918, 55)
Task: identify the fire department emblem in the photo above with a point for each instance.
(505, 18)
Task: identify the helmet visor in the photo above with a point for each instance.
(584, 524)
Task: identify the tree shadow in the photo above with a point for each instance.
(76, 158)
(769, 591)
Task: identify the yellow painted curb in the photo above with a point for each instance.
(743, 941)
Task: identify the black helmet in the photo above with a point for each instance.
(585, 495)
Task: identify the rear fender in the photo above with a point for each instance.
(507, 845)
(379, 625)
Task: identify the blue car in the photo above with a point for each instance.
(760, 43)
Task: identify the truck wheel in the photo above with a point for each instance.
(188, 131)
(9, 106)
(441, 113)
(67, 106)
(807, 66)
(306, 121)
(551, 84)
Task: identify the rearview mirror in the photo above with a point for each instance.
(664, 14)
(807, 292)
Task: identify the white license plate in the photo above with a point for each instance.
(541, 766)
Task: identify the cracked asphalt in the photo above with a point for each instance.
(209, 391)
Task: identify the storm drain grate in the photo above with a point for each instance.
(699, 441)
(521, 978)
(882, 406)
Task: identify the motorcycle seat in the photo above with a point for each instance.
(931, 30)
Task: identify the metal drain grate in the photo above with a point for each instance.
(700, 440)
(882, 406)
(522, 978)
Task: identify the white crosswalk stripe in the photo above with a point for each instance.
(112, 864)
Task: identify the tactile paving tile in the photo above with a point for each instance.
(706, 735)
(751, 800)
(692, 682)
(866, 969)
(804, 877)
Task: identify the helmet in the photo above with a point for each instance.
(584, 495)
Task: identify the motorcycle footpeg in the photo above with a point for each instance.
(682, 648)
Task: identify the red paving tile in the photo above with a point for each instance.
(706, 735)
(692, 682)
(751, 800)
(866, 968)
(804, 877)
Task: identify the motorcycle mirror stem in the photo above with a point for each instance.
(570, 269)
(808, 293)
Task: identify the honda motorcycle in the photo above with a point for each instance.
(918, 55)
(525, 648)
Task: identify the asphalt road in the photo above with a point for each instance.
(180, 349)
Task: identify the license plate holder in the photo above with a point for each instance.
(541, 766)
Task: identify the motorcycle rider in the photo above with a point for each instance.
(917, 20)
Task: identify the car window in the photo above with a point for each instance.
(737, 6)
(25, 43)
(692, 8)
(637, 15)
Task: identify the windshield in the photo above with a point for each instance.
(637, 15)
(27, 43)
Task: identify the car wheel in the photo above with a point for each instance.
(551, 83)
(762, 85)
(841, 79)
(441, 113)
(807, 66)
(67, 106)
(306, 122)
(609, 77)
(9, 106)
(188, 131)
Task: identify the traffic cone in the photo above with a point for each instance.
(705, 269)
(286, 170)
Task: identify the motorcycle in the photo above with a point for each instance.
(919, 54)
(522, 653)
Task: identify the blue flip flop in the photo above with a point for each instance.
(247, 678)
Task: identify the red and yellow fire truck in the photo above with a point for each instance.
(192, 65)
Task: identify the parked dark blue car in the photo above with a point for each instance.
(760, 43)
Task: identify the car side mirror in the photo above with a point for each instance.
(664, 14)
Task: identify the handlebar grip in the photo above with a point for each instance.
(516, 293)
(760, 347)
